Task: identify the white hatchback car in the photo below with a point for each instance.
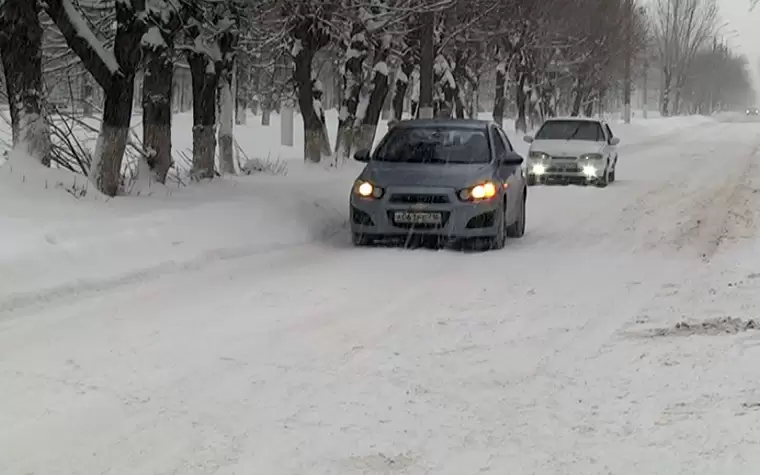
(573, 149)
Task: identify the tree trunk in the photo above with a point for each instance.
(205, 80)
(105, 171)
(312, 121)
(21, 55)
(500, 93)
(402, 85)
(242, 93)
(227, 161)
(380, 86)
(521, 98)
(157, 109)
(117, 81)
(352, 86)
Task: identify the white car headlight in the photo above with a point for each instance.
(533, 155)
(590, 170)
(538, 169)
(366, 189)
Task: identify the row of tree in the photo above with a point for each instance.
(534, 58)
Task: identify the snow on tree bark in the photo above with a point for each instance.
(115, 72)
(402, 85)
(312, 120)
(242, 92)
(228, 41)
(380, 87)
(21, 56)
(500, 94)
(205, 80)
(356, 54)
(158, 70)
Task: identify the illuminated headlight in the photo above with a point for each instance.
(484, 191)
(589, 170)
(538, 169)
(366, 189)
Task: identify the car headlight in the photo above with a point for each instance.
(538, 155)
(592, 156)
(590, 170)
(538, 169)
(484, 191)
(366, 189)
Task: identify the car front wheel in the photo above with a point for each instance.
(500, 240)
(517, 229)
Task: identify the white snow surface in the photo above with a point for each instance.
(230, 327)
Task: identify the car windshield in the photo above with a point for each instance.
(435, 145)
(571, 130)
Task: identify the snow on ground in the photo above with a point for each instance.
(230, 328)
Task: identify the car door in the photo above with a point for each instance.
(612, 148)
(510, 175)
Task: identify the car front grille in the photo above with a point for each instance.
(570, 167)
(417, 198)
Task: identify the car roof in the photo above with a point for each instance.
(575, 119)
(453, 123)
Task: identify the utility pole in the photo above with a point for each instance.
(426, 64)
(627, 87)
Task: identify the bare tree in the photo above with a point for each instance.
(681, 28)
(21, 55)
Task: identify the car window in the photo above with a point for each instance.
(434, 144)
(571, 130)
(500, 149)
(506, 139)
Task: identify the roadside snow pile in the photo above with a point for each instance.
(61, 244)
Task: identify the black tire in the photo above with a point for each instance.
(500, 240)
(612, 176)
(517, 229)
(360, 240)
(532, 181)
(604, 180)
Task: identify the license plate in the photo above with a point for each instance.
(409, 217)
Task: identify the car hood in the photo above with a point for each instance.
(566, 148)
(434, 175)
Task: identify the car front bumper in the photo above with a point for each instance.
(570, 172)
(459, 220)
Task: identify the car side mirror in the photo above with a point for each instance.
(362, 155)
(528, 138)
(614, 141)
(512, 159)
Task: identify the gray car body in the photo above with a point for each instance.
(434, 188)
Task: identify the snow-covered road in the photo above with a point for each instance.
(559, 354)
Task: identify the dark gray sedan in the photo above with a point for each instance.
(454, 179)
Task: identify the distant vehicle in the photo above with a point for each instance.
(572, 150)
(452, 179)
(753, 111)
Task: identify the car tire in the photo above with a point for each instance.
(500, 240)
(612, 176)
(517, 229)
(360, 239)
(604, 180)
(532, 180)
